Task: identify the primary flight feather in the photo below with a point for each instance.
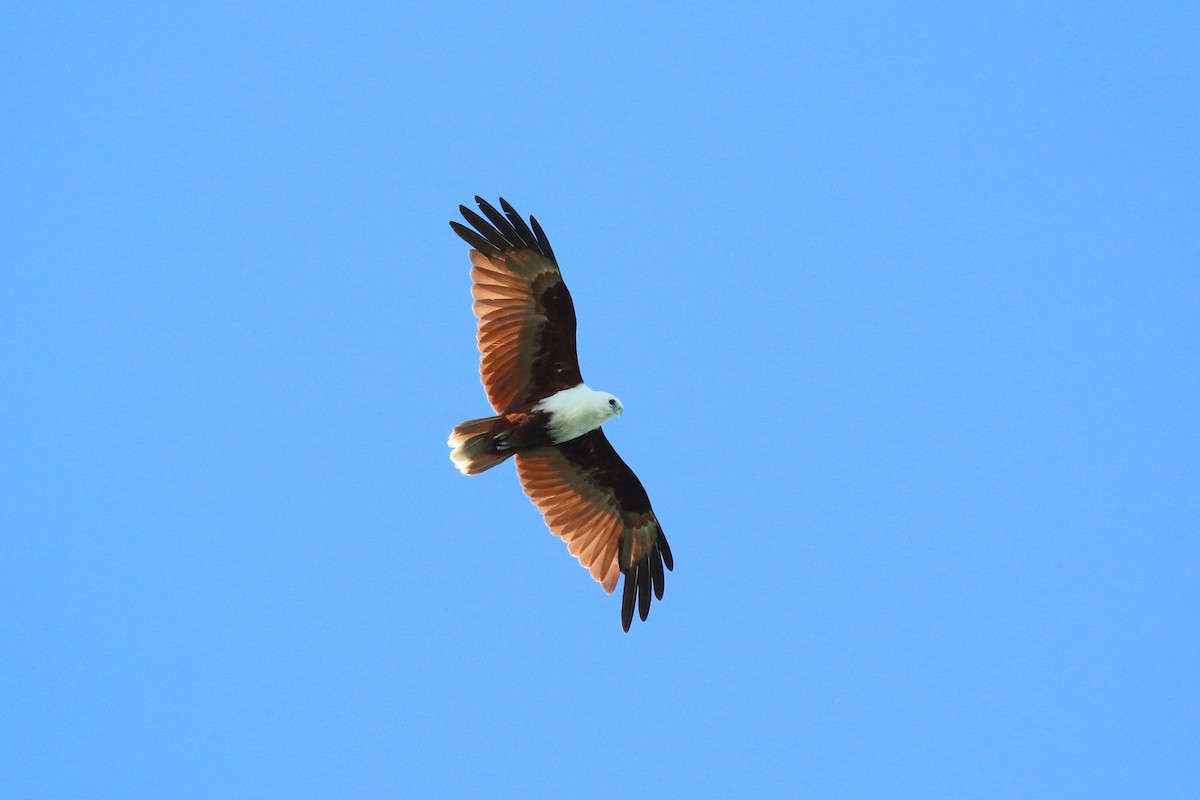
(546, 416)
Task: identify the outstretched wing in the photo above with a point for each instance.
(593, 501)
(526, 317)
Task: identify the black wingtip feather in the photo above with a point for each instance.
(475, 240)
(665, 549)
(627, 598)
(656, 572)
(643, 574)
(542, 240)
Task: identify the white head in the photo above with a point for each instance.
(612, 406)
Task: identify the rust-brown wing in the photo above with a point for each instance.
(526, 317)
(593, 501)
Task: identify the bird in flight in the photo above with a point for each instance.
(546, 416)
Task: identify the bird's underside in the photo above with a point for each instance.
(547, 417)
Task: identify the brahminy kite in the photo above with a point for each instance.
(547, 416)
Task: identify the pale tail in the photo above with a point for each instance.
(471, 452)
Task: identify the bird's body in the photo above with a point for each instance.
(565, 415)
(547, 417)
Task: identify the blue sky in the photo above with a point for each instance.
(901, 301)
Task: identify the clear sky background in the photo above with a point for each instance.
(903, 303)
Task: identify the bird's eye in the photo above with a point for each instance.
(612, 403)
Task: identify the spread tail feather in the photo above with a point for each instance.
(473, 451)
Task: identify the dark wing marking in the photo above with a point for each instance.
(526, 317)
(593, 501)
